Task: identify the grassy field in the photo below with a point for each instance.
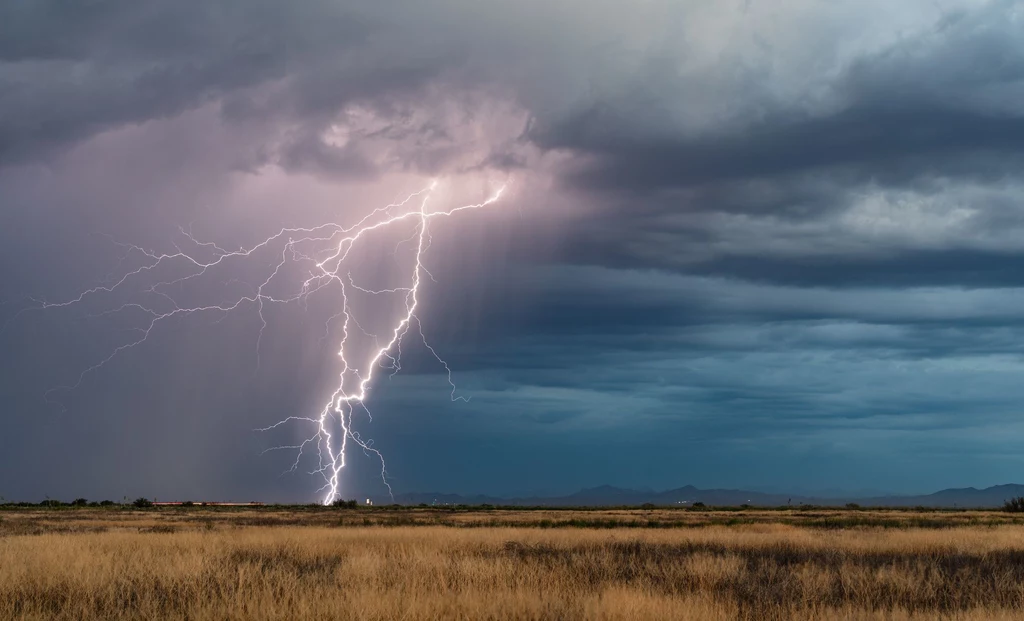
(530, 564)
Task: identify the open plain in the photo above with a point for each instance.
(429, 563)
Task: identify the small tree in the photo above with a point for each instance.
(143, 503)
(79, 502)
(1014, 505)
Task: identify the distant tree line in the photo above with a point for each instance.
(146, 503)
(1014, 505)
(50, 502)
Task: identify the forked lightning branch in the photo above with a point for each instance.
(324, 255)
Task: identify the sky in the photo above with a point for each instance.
(764, 244)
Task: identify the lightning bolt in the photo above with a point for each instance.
(326, 251)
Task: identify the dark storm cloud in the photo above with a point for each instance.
(930, 104)
(652, 309)
(73, 70)
(950, 267)
(923, 118)
(922, 106)
(70, 71)
(891, 142)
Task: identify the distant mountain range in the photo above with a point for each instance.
(607, 495)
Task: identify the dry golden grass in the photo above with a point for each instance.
(217, 565)
(37, 520)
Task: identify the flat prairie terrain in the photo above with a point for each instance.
(299, 563)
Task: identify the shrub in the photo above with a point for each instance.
(49, 502)
(143, 503)
(188, 503)
(79, 502)
(698, 505)
(106, 503)
(347, 504)
(1014, 505)
(852, 506)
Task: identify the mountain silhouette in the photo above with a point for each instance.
(610, 496)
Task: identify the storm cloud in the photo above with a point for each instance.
(742, 238)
